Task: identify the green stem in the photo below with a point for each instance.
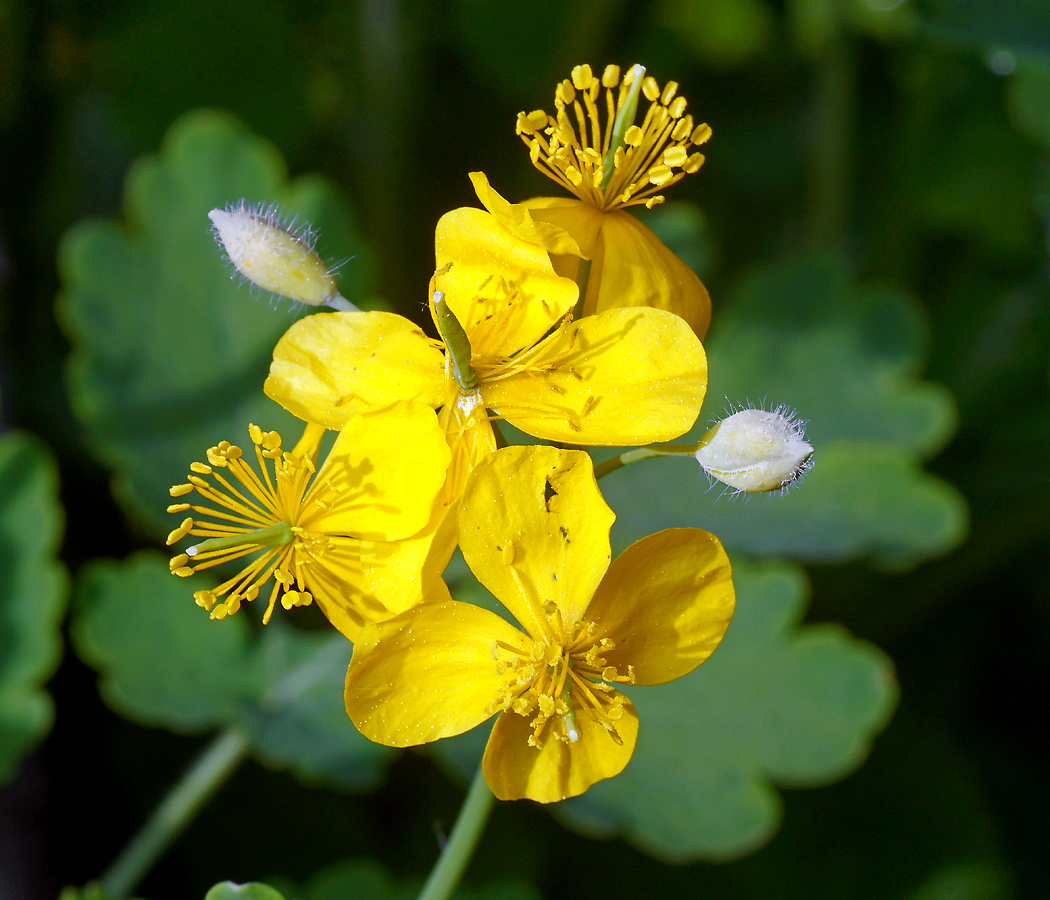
(637, 455)
(467, 831)
(169, 819)
(583, 276)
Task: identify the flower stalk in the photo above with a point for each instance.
(194, 789)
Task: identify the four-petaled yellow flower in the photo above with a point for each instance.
(535, 531)
(340, 538)
(624, 377)
(609, 167)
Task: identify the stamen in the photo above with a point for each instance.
(622, 164)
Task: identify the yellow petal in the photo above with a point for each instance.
(534, 528)
(381, 477)
(557, 770)
(427, 673)
(623, 377)
(580, 220)
(632, 267)
(517, 219)
(503, 290)
(330, 366)
(357, 582)
(665, 602)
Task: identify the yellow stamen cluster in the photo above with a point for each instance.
(261, 518)
(574, 149)
(556, 677)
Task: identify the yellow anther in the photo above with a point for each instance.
(701, 134)
(183, 571)
(573, 175)
(271, 440)
(677, 107)
(650, 88)
(204, 599)
(233, 603)
(177, 562)
(219, 612)
(675, 156)
(565, 93)
(582, 77)
(251, 593)
(197, 481)
(633, 136)
(507, 554)
(670, 89)
(660, 175)
(611, 76)
(178, 507)
(694, 163)
(654, 201)
(256, 433)
(179, 533)
(682, 129)
(180, 490)
(200, 468)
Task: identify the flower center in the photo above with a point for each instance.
(556, 679)
(620, 164)
(256, 519)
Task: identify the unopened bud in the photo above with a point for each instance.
(755, 450)
(277, 259)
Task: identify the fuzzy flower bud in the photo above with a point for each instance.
(755, 450)
(268, 253)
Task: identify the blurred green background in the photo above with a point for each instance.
(873, 224)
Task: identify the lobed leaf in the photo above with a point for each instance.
(33, 587)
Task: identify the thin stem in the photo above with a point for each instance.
(445, 876)
(583, 277)
(637, 455)
(169, 819)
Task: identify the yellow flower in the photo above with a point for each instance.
(609, 167)
(333, 538)
(535, 530)
(625, 377)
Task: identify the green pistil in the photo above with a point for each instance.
(624, 120)
(456, 342)
(572, 729)
(276, 535)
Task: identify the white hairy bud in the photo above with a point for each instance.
(755, 450)
(273, 256)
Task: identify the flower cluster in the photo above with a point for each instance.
(566, 318)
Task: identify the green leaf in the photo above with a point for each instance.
(163, 662)
(169, 353)
(776, 703)
(33, 587)
(254, 890)
(847, 359)
(365, 879)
